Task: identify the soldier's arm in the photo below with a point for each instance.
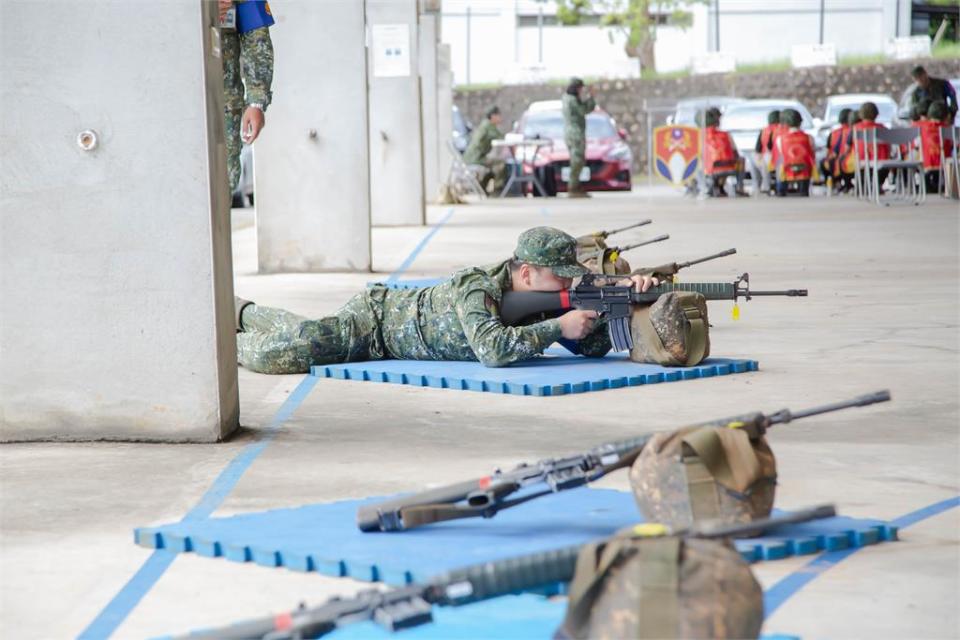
(256, 65)
(589, 105)
(494, 344)
(597, 343)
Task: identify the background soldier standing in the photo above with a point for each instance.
(577, 103)
(247, 62)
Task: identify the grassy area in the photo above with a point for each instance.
(947, 50)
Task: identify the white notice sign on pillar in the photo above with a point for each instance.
(391, 50)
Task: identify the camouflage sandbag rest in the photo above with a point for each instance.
(662, 587)
(706, 473)
(674, 331)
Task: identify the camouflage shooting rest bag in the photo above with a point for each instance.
(597, 264)
(706, 473)
(674, 331)
(662, 587)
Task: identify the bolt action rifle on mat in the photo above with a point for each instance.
(613, 302)
(669, 270)
(596, 239)
(485, 497)
(412, 605)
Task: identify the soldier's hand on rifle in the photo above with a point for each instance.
(640, 283)
(577, 324)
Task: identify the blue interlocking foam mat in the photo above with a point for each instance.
(324, 537)
(552, 374)
(412, 283)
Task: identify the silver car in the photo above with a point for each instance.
(745, 120)
(885, 105)
(688, 108)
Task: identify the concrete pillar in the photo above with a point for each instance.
(396, 142)
(116, 296)
(311, 163)
(444, 109)
(429, 39)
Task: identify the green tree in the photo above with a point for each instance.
(638, 20)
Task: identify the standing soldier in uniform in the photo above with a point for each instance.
(481, 143)
(577, 103)
(458, 319)
(934, 89)
(247, 63)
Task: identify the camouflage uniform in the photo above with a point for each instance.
(247, 61)
(455, 320)
(481, 143)
(575, 134)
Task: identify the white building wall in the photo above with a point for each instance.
(755, 31)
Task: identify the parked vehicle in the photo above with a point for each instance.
(903, 112)
(688, 108)
(609, 158)
(744, 120)
(461, 130)
(885, 104)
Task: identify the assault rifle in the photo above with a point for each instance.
(670, 269)
(485, 497)
(613, 302)
(610, 254)
(412, 605)
(595, 239)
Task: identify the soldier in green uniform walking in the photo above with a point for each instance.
(481, 144)
(456, 320)
(577, 103)
(247, 64)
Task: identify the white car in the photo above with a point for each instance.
(885, 105)
(688, 108)
(745, 120)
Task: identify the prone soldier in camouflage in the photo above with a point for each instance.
(577, 103)
(481, 144)
(455, 320)
(247, 65)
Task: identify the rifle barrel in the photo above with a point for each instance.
(604, 234)
(795, 517)
(728, 252)
(790, 293)
(859, 401)
(628, 247)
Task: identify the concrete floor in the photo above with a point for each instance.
(882, 313)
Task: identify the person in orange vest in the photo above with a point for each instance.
(868, 120)
(794, 157)
(930, 142)
(761, 166)
(846, 165)
(830, 166)
(720, 157)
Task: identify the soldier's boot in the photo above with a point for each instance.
(239, 304)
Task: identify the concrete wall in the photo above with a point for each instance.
(625, 99)
(396, 143)
(116, 311)
(429, 39)
(311, 162)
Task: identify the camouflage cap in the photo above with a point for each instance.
(549, 247)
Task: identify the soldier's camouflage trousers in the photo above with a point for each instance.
(277, 341)
(577, 147)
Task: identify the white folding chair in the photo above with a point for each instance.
(462, 178)
(906, 161)
(861, 186)
(949, 133)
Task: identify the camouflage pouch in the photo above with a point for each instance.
(663, 587)
(618, 267)
(707, 473)
(674, 331)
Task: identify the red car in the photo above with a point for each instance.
(609, 159)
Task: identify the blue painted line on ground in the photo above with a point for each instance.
(417, 249)
(126, 600)
(786, 588)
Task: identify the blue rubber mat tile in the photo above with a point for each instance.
(553, 374)
(324, 537)
(411, 283)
